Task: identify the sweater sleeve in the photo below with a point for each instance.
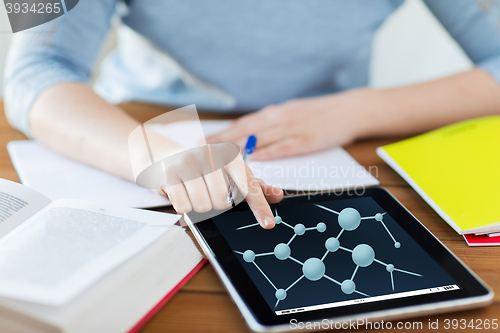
(475, 27)
(62, 50)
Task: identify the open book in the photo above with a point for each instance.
(82, 266)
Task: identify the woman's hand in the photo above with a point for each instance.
(196, 179)
(304, 125)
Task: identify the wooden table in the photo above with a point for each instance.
(203, 305)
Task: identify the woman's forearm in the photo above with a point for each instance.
(72, 119)
(425, 106)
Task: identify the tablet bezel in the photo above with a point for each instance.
(473, 290)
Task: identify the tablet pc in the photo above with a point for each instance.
(335, 258)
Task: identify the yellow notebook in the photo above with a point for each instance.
(456, 169)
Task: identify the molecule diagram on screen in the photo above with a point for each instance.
(314, 269)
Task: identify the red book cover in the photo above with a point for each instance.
(481, 240)
(165, 299)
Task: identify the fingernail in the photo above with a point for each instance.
(268, 222)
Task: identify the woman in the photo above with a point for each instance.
(303, 65)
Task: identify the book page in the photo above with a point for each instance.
(70, 244)
(326, 170)
(17, 204)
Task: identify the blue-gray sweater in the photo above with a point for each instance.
(235, 55)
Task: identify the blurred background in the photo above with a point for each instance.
(410, 47)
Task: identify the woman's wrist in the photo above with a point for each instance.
(373, 112)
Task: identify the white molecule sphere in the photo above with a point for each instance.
(280, 294)
(378, 217)
(363, 255)
(390, 268)
(321, 227)
(332, 244)
(282, 251)
(278, 219)
(299, 229)
(397, 245)
(349, 219)
(248, 255)
(313, 269)
(348, 286)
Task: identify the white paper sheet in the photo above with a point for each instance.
(70, 244)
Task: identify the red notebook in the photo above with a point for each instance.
(167, 298)
(481, 240)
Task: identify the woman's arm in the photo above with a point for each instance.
(62, 50)
(307, 125)
(74, 121)
(426, 106)
(71, 119)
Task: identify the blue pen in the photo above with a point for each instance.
(247, 151)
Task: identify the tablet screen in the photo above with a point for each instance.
(331, 254)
